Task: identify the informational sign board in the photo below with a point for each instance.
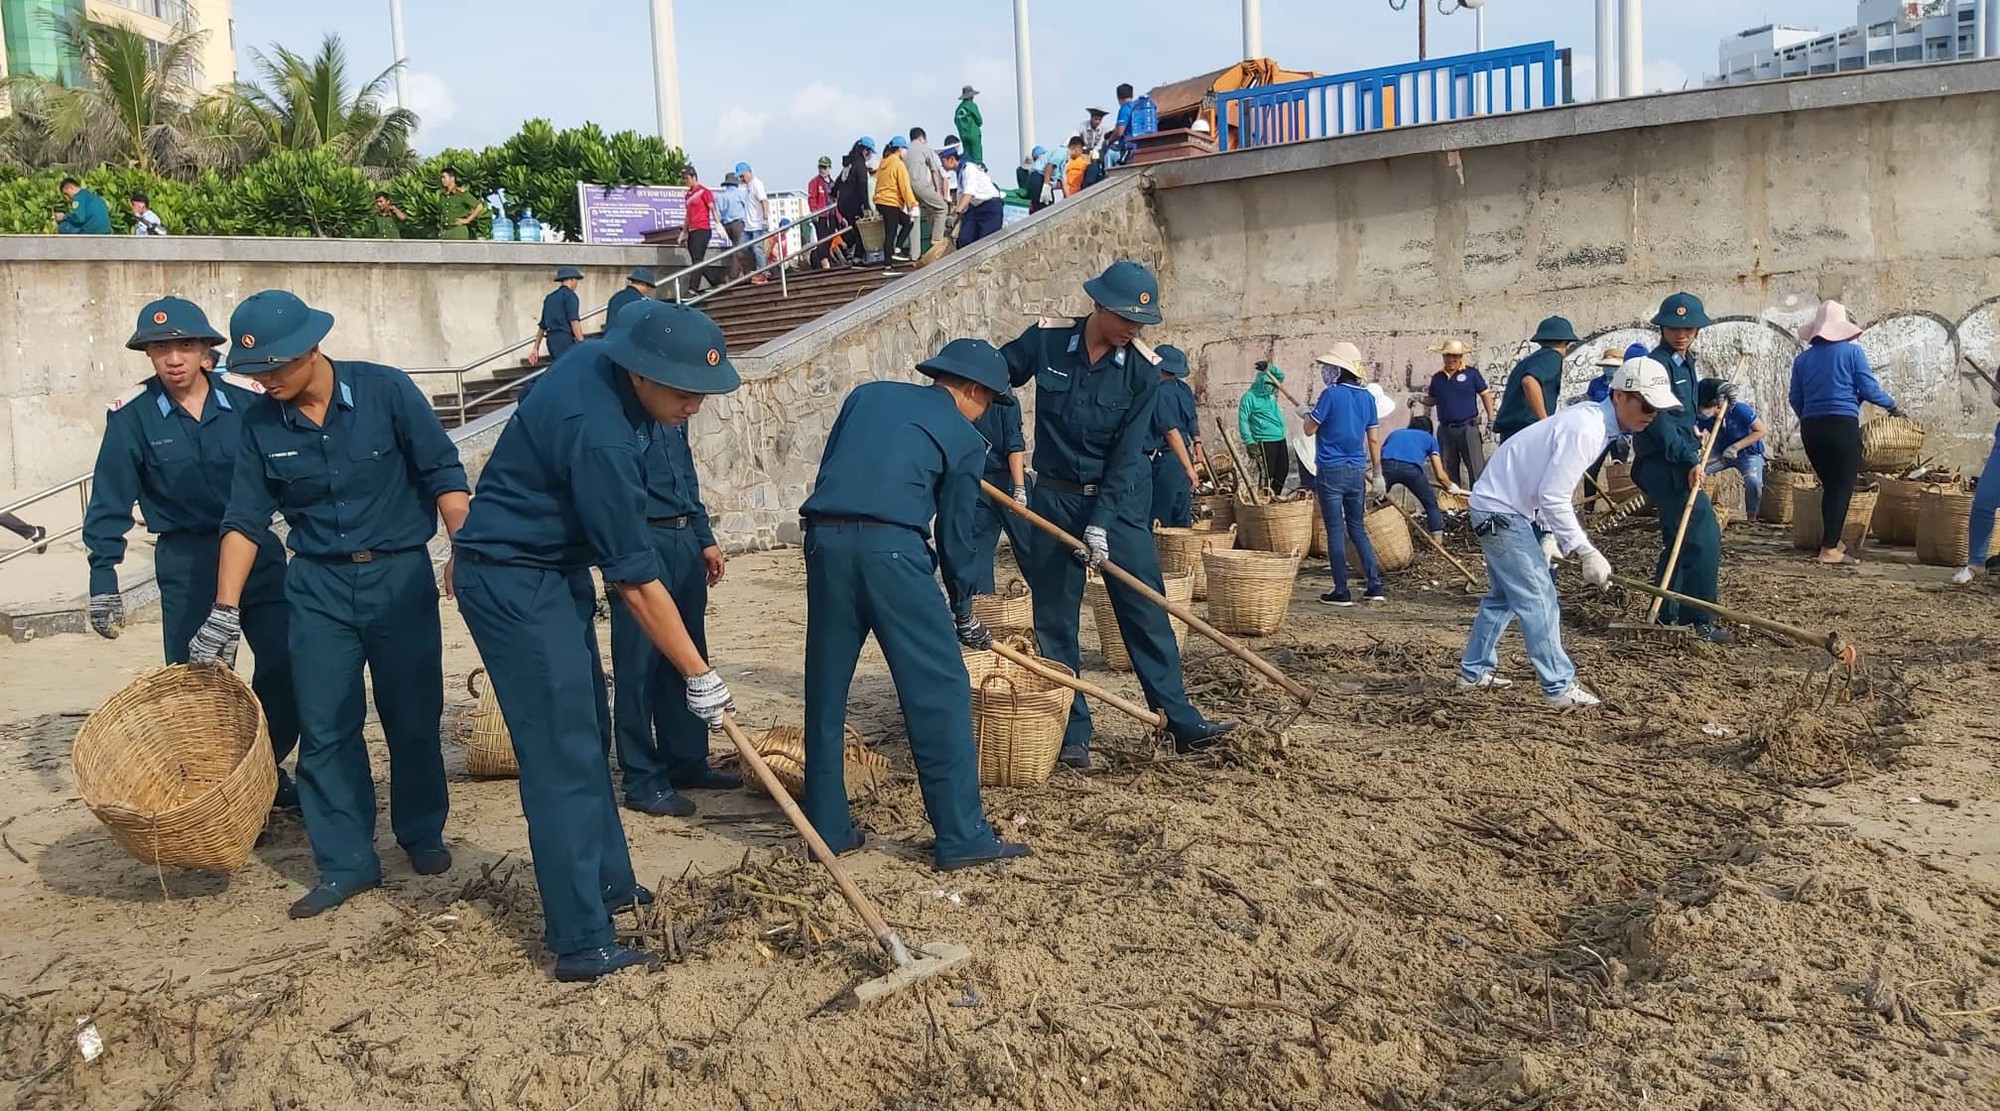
(625, 213)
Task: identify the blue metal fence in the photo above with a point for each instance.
(1514, 79)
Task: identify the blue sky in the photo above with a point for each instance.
(781, 82)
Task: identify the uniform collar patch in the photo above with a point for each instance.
(166, 405)
(346, 396)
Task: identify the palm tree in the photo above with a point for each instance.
(307, 104)
(133, 104)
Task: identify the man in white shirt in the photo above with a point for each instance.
(756, 216)
(1530, 484)
(980, 206)
(144, 220)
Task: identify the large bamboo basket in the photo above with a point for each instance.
(1389, 535)
(1891, 445)
(1179, 587)
(1180, 551)
(1725, 494)
(1944, 525)
(783, 748)
(1018, 718)
(1009, 610)
(1249, 592)
(1284, 526)
(1806, 518)
(1217, 511)
(178, 767)
(489, 748)
(1776, 506)
(1897, 502)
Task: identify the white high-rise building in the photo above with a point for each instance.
(1885, 33)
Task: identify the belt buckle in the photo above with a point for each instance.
(361, 557)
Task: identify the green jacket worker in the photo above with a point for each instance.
(354, 459)
(88, 214)
(1261, 425)
(170, 443)
(1667, 465)
(968, 122)
(1006, 467)
(458, 209)
(1172, 447)
(1536, 384)
(561, 322)
(564, 490)
(899, 456)
(662, 745)
(1094, 400)
(638, 287)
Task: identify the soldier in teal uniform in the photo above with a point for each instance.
(1094, 400)
(1006, 467)
(899, 456)
(638, 287)
(353, 457)
(662, 746)
(169, 445)
(561, 322)
(1173, 445)
(1535, 387)
(1667, 465)
(565, 489)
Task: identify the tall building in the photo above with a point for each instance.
(34, 44)
(1885, 33)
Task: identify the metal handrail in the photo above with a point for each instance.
(781, 265)
(81, 483)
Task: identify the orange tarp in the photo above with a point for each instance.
(1184, 102)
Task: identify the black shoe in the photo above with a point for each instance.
(853, 844)
(1715, 634)
(709, 779)
(1374, 596)
(639, 896)
(988, 854)
(592, 963)
(288, 792)
(1336, 598)
(432, 861)
(41, 537)
(1075, 756)
(1202, 737)
(662, 804)
(324, 898)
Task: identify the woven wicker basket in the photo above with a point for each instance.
(1178, 587)
(1891, 445)
(1284, 526)
(1018, 718)
(1896, 504)
(489, 748)
(1944, 520)
(178, 767)
(1009, 610)
(1216, 511)
(1180, 551)
(783, 748)
(1389, 535)
(1806, 518)
(1725, 494)
(1249, 593)
(1317, 548)
(1776, 506)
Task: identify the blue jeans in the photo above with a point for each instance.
(1985, 501)
(1343, 505)
(1412, 478)
(1519, 586)
(1751, 467)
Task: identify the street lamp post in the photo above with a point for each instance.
(667, 75)
(1024, 80)
(1253, 29)
(396, 44)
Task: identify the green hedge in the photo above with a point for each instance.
(310, 193)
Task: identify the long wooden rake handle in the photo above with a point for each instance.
(1831, 641)
(1230, 644)
(1687, 514)
(1153, 718)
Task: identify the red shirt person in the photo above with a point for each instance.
(700, 221)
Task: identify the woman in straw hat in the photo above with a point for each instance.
(1830, 380)
(1346, 433)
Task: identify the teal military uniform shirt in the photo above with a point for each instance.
(672, 487)
(559, 308)
(1671, 439)
(1000, 427)
(618, 301)
(1092, 420)
(1545, 366)
(1175, 411)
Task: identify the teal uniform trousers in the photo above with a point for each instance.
(660, 741)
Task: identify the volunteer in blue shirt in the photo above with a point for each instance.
(1739, 446)
(1173, 443)
(561, 322)
(1458, 394)
(638, 287)
(1095, 393)
(1006, 467)
(1343, 424)
(1830, 380)
(900, 456)
(1535, 386)
(1410, 457)
(1985, 503)
(169, 443)
(353, 457)
(1667, 465)
(566, 489)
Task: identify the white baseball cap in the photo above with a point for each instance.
(1647, 378)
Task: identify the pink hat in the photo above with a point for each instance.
(1830, 323)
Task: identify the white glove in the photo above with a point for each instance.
(214, 644)
(1550, 551)
(107, 612)
(1304, 412)
(708, 698)
(1729, 455)
(1099, 545)
(1377, 486)
(1021, 495)
(1458, 491)
(1596, 569)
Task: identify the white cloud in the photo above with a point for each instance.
(824, 105)
(740, 126)
(430, 99)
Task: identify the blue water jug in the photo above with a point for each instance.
(503, 228)
(529, 230)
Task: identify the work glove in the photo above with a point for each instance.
(1729, 455)
(1896, 411)
(1550, 551)
(1377, 486)
(1596, 569)
(214, 644)
(971, 633)
(107, 612)
(1458, 491)
(1021, 495)
(1205, 489)
(1304, 412)
(708, 698)
(1097, 544)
